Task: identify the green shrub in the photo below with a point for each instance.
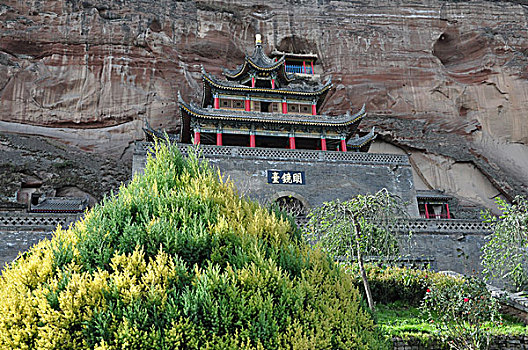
(392, 284)
(177, 260)
(465, 314)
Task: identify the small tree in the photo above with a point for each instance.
(351, 230)
(505, 255)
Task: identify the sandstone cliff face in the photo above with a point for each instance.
(444, 80)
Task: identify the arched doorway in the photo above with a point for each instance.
(295, 207)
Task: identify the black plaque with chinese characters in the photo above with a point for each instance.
(286, 177)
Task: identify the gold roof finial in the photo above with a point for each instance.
(258, 39)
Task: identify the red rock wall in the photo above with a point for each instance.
(439, 77)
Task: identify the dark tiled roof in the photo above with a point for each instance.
(294, 55)
(155, 134)
(363, 141)
(60, 205)
(432, 194)
(275, 118)
(299, 87)
(12, 206)
(259, 61)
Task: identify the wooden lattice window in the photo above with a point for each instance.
(305, 109)
(293, 108)
(225, 103)
(238, 104)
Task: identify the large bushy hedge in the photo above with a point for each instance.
(177, 260)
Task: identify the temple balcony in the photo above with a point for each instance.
(212, 151)
(434, 216)
(291, 68)
(303, 71)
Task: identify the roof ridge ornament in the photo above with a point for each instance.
(258, 40)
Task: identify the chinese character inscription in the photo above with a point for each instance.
(286, 177)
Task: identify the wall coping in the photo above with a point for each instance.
(443, 226)
(11, 221)
(502, 342)
(211, 151)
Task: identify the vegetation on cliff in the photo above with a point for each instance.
(178, 260)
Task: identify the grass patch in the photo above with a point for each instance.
(401, 320)
(510, 326)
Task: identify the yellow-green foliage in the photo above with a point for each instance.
(178, 260)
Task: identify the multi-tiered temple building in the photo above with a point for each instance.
(263, 127)
(263, 104)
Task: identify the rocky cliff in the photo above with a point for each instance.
(446, 81)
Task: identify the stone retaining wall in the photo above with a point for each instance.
(20, 231)
(450, 244)
(498, 343)
(15, 242)
(514, 304)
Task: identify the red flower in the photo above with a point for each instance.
(428, 290)
(466, 300)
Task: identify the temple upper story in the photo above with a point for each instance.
(305, 98)
(263, 102)
(261, 69)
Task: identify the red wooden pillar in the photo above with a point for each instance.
(304, 67)
(292, 141)
(219, 138)
(252, 142)
(273, 83)
(323, 143)
(314, 108)
(448, 214)
(343, 145)
(313, 72)
(216, 102)
(196, 136)
(248, 104)
(284, 107)
(426, 211)
(253, 82)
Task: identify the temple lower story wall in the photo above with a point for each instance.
(326, 175)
